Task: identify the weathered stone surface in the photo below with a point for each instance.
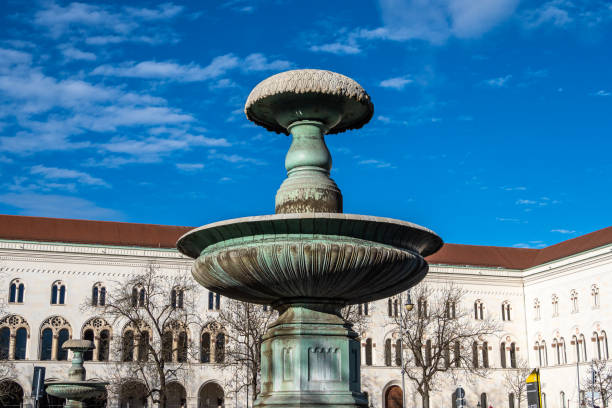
(293, 88)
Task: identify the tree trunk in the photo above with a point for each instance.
(425, 397)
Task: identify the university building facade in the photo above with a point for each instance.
(553, 305)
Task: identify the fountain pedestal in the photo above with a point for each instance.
(309, 260)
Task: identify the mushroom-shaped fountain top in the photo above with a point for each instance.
(334, 99)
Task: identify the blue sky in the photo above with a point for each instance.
(492, 119)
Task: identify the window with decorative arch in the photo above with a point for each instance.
(54, 331)
(368, 351)
(388, 357)
(175, 342)
(579, 342)
(98, 294)
(135, 342)
(595, 296)
(16, 291)
(138, 295)
(555, 305)
(479, 310)
(450, 309)
(363, 309)
(600, 345)
(14, 335)
(58, 293)
(177, 297)
(560, 352)
(536, 309)
(422, 307)
(213, 340)
(574, 300)
(505, 309)
(99, 332)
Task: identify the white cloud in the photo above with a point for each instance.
(530, 244)
(397, 83)
(525, 202)
(376, 163)
(234, 158)
(119, 24)
(192, 72)
(337, 48)
(601, 92)
(500, 82)
(553, 12)
(563, 231)
(518, 188)
(54, 173)
(189, 167)
(71, 53)
(383, 119)
(503, 219)
(61, 206)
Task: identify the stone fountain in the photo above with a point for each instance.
(309, 259)
(76, 389)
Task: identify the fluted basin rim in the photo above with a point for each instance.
(390, 231)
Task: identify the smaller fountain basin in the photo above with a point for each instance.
(75, 390)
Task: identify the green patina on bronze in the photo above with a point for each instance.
(309, 259)
(76, 389)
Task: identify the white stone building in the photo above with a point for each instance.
(555, 301)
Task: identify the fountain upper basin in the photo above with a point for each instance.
(327, 256)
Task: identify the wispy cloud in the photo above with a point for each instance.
(192, 72)
(235, 158)
(563, 231)
(337, 48)
(71, 53)
(54, 173)
(530, 244)
(61, 206)
(499, 82)
(517, 188)
(397, 83)
(601, 92)
(376, 163)
(505, 219)
(190, 167)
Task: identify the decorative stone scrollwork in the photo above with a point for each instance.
(14, 322)
(56, 323)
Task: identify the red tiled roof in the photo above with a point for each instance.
(15, 227)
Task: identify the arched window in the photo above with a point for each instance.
(505, 309)
(555, 305)
(577, 348)
(127, 348)
(502, 354)
(428, 353)
(595, 296)
(54, 331)
(388, 352)
(17, 327)
(478, 310)
(603, 338)
(5, 341)
(214, 301)
(181, 355)
(16, 291)
(176, 297)
(422, 307)
(447, 356)
(398, 352)
(220, 348)
(483, 400)
(143, 346)
(46, 344)
(98, 331)
(537, 348)
(62, 336)
(167, 346)
(138, 296)
(511, 400)
(98, 295)
(485, 354)
(88, 335)
(562, 400)
(544, 353)
(390, 307)
(395, 307)
(368, 352)
(562, 351)
(574, 300)
(457, 354)
(475, 355)
(536, 309)
(205, 348)
(583, 347)
(58, 293)
(450, 309)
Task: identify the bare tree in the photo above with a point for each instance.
(156, 310)
(597, 383)
(440, 335)
(358, 316)
(515, 381)
(245, 324)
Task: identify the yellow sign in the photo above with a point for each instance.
(534, 392)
